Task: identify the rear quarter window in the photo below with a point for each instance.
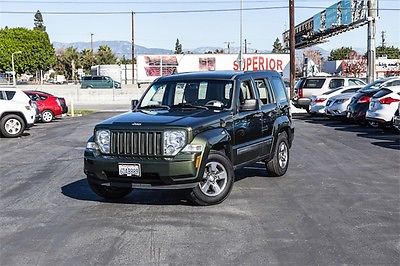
(335, 83)
(381, 93)
(280, 90)
(314, 83)
(10, 94)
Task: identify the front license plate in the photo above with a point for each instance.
(129, 169)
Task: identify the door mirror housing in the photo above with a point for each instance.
(249, 105)
(134, 103)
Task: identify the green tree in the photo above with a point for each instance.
(390, 52)
(277, 47)
(67, 62)
(178, 47)
(38, 22)
(105, 56)
(37, 51)
(86, 59)
(340, 53)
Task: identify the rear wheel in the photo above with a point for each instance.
(217, 181)
(47, 116)
(12, 126)
(109, 192)
(280, 162)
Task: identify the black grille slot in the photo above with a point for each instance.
(136, 143)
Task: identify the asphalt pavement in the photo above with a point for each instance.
(337, 204)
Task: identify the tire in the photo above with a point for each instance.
(12, 126)
(217, 181)
(109, 192)
(47, 116)
(280, 162)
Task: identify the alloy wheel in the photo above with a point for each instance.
(283, 155)
(214, 180)
(13, 126)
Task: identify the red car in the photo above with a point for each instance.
(49, 105)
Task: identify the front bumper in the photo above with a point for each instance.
(156, 172)
(357, 112)
(336, 110)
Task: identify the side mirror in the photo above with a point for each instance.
(134, 103)
(249, 105)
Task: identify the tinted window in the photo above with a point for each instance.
(264, 90)
(1, 95)
(10, 94)
(393, 83)
(350, 90)
(280, 90)
(381, 93)
(314, 83)
(87, 78)
(336, 83)
(97, 78)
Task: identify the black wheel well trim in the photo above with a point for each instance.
(14, 113)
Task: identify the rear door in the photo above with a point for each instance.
(247, 126)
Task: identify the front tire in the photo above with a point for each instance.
(280, 162)
(12, 126)
(47, 116)
(109, 192)
(217, 182)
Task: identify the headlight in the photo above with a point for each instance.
(103, 140)
(174, 140)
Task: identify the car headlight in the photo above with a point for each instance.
(103, 140)
(174, 140)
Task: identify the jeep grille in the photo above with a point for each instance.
(136, 143)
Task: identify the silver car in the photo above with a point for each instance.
(336, 106)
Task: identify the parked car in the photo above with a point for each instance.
(396, 119)
(359, 104)
(336, 106)
(318, 102)
(89, 82)
(383, 106)
(16, 113)
(49, 105)
(190, 131)
(319, 85)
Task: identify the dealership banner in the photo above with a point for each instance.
(150, 67)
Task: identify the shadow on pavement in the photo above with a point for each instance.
(80, 190)
(386, 138)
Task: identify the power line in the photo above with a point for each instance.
(156, 2)
(171, 11)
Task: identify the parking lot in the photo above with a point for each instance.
(337, 204)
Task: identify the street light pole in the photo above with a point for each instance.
(91, 51)
(292, 44)
(13, 67)
(240, 57)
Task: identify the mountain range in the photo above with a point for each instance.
(123, 48)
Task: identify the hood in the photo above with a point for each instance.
(193, 118)
(342, 96)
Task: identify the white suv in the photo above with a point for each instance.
(16, 113)
(318, 85)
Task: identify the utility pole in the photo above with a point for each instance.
(13, 67)
(228, 45)
(383, 39)
(240, 57)
(133, 48)
(292, 48)
(372, 15)
(91, 50)
(245, 45)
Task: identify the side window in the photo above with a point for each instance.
(352, 82)
(264, 90)
(280, 90)
(1, 95)
(10, 94)
(97, 78)
(245, 91)
(336, 83)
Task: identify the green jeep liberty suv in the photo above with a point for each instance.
(191, 131)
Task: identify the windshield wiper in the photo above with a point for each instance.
(155, 106)
(189, 105)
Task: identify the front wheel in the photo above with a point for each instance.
(109, 192)
(280, 162)
(217, 182)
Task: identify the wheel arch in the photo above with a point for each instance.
(20, 114)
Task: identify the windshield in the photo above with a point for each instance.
(189, 94)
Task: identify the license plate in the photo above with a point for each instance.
(129, 169)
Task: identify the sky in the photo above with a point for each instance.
(215, 29)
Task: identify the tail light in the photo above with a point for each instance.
(300, 92)
(320, 100)
(388, 100)
(364, 99)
